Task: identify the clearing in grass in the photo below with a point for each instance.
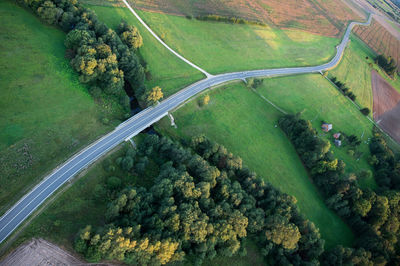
(163, 68)
(221, 47)
(245, 124)
(47, 115)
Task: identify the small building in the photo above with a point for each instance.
(326, 127)
(338, 143)
(336, 135)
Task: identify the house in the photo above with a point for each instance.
(336, 135)
(338, 143)
(326, 127)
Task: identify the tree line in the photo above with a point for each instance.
(232, 20)
(347, 92)
(104, 59)
(203, 203)
(344, 89)
(386, 164)
(373, 216)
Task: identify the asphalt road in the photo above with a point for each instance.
(32, 200)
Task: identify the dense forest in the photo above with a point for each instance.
(373, 216)
(104, 59)
(202, 204)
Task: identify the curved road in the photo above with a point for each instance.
(32, 200)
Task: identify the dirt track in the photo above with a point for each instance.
(386, 106)
(40, 252)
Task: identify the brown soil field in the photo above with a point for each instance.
(40, 252)
(390, 122)
(322, 17)
(380, 40)
(386, 106)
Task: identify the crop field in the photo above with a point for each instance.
(330, 16)
(165, 69)
(380, 40)
(385, 96)
(46, 114)
(386, 106)
(386, 6)
(243, 122)
(221, 47)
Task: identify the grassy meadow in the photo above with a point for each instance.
(318, 101)
(166, 70)
(46, 114)
(355, 71)
(221, 47)
(242, 121)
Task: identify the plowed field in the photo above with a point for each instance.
(380, 40)
(40, 252)
(386, 106)
(327, 18)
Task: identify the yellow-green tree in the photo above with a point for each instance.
(154, 95)
(205, 100)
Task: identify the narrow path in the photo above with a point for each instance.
(163, 43)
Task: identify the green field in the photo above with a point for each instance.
(220, 47)
(318, 101)
(46, 114)
(355, 71)
(167, 71)
(242, 121)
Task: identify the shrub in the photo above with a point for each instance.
(365, 111)
(205, 100)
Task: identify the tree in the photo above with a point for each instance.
(388, 64)
(282, 233)
(205, 100)
(154, 95)
(130, 35)
(365, 111)
(127, 163)
(49, 12)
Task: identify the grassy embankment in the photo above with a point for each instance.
(242, 121)
(47, 114)
(220, 47)
(166, 70)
